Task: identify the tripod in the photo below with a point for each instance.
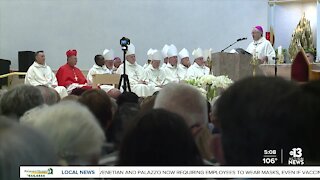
(124, 76)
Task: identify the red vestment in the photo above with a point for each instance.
(67, 75)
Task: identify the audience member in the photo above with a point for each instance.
(187, 101)
(258, 114)
(20, 99)
(99, 103)
(50, 96)
(159, 138)
(20, 145)
(73, 130)
(127, 97)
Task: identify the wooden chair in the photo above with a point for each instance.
(302, 70)
(109, 79)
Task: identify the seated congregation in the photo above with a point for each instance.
(176, 126)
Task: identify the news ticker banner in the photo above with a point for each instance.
(170, 172)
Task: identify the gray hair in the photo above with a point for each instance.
(20, 145)
(20, 99)
(50, 96)
(184, 100)
(2, 92)
(73, 130)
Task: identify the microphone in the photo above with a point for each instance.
(240, 39)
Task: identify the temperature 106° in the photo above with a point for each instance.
(269, 160)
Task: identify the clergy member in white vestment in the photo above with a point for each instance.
(100, 68)
(184, 62)
(135, 74)
(149, 55)
(261, 47)
(109, 60)
(198, 68)
(173, 72)
(164, 52)
(39, 73)
(155, 76)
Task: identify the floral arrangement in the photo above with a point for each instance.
(208, 85)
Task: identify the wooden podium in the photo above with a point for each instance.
(235, 66)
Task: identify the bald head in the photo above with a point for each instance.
(184, 100)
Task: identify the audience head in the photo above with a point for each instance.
(20, 145)
(70, 98)
(20, 99)
(99, 60)
(123, 118)
(99, 104)
(127, 97)
(50, 96)
(184, 100)
(73, 130)
(72, 57)
(147, 104)
(159, 138)
(311, 124)
(40, 58)
(257, 114)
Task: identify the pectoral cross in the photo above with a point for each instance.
(75, 75)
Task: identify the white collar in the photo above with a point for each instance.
(170, 66)
(128, 63)
(197, 65)
(153, 69)
(261, 40)
(39, 65)
(99, 67)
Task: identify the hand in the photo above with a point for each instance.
(264, 60)
(142, 82)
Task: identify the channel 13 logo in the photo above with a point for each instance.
(296, 157)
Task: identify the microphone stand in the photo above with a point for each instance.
(275, 66)
(233, 44)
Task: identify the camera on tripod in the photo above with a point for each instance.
(124, 42)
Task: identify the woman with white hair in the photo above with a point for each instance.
(20, 145)
(73, 130)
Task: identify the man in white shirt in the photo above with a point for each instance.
(173, 72)
(39, 73)
(261, 47)
(100, 68)
(155, 76)
(184, 62)
(198, 68)
(135, 74)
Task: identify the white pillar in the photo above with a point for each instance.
(271, 15)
